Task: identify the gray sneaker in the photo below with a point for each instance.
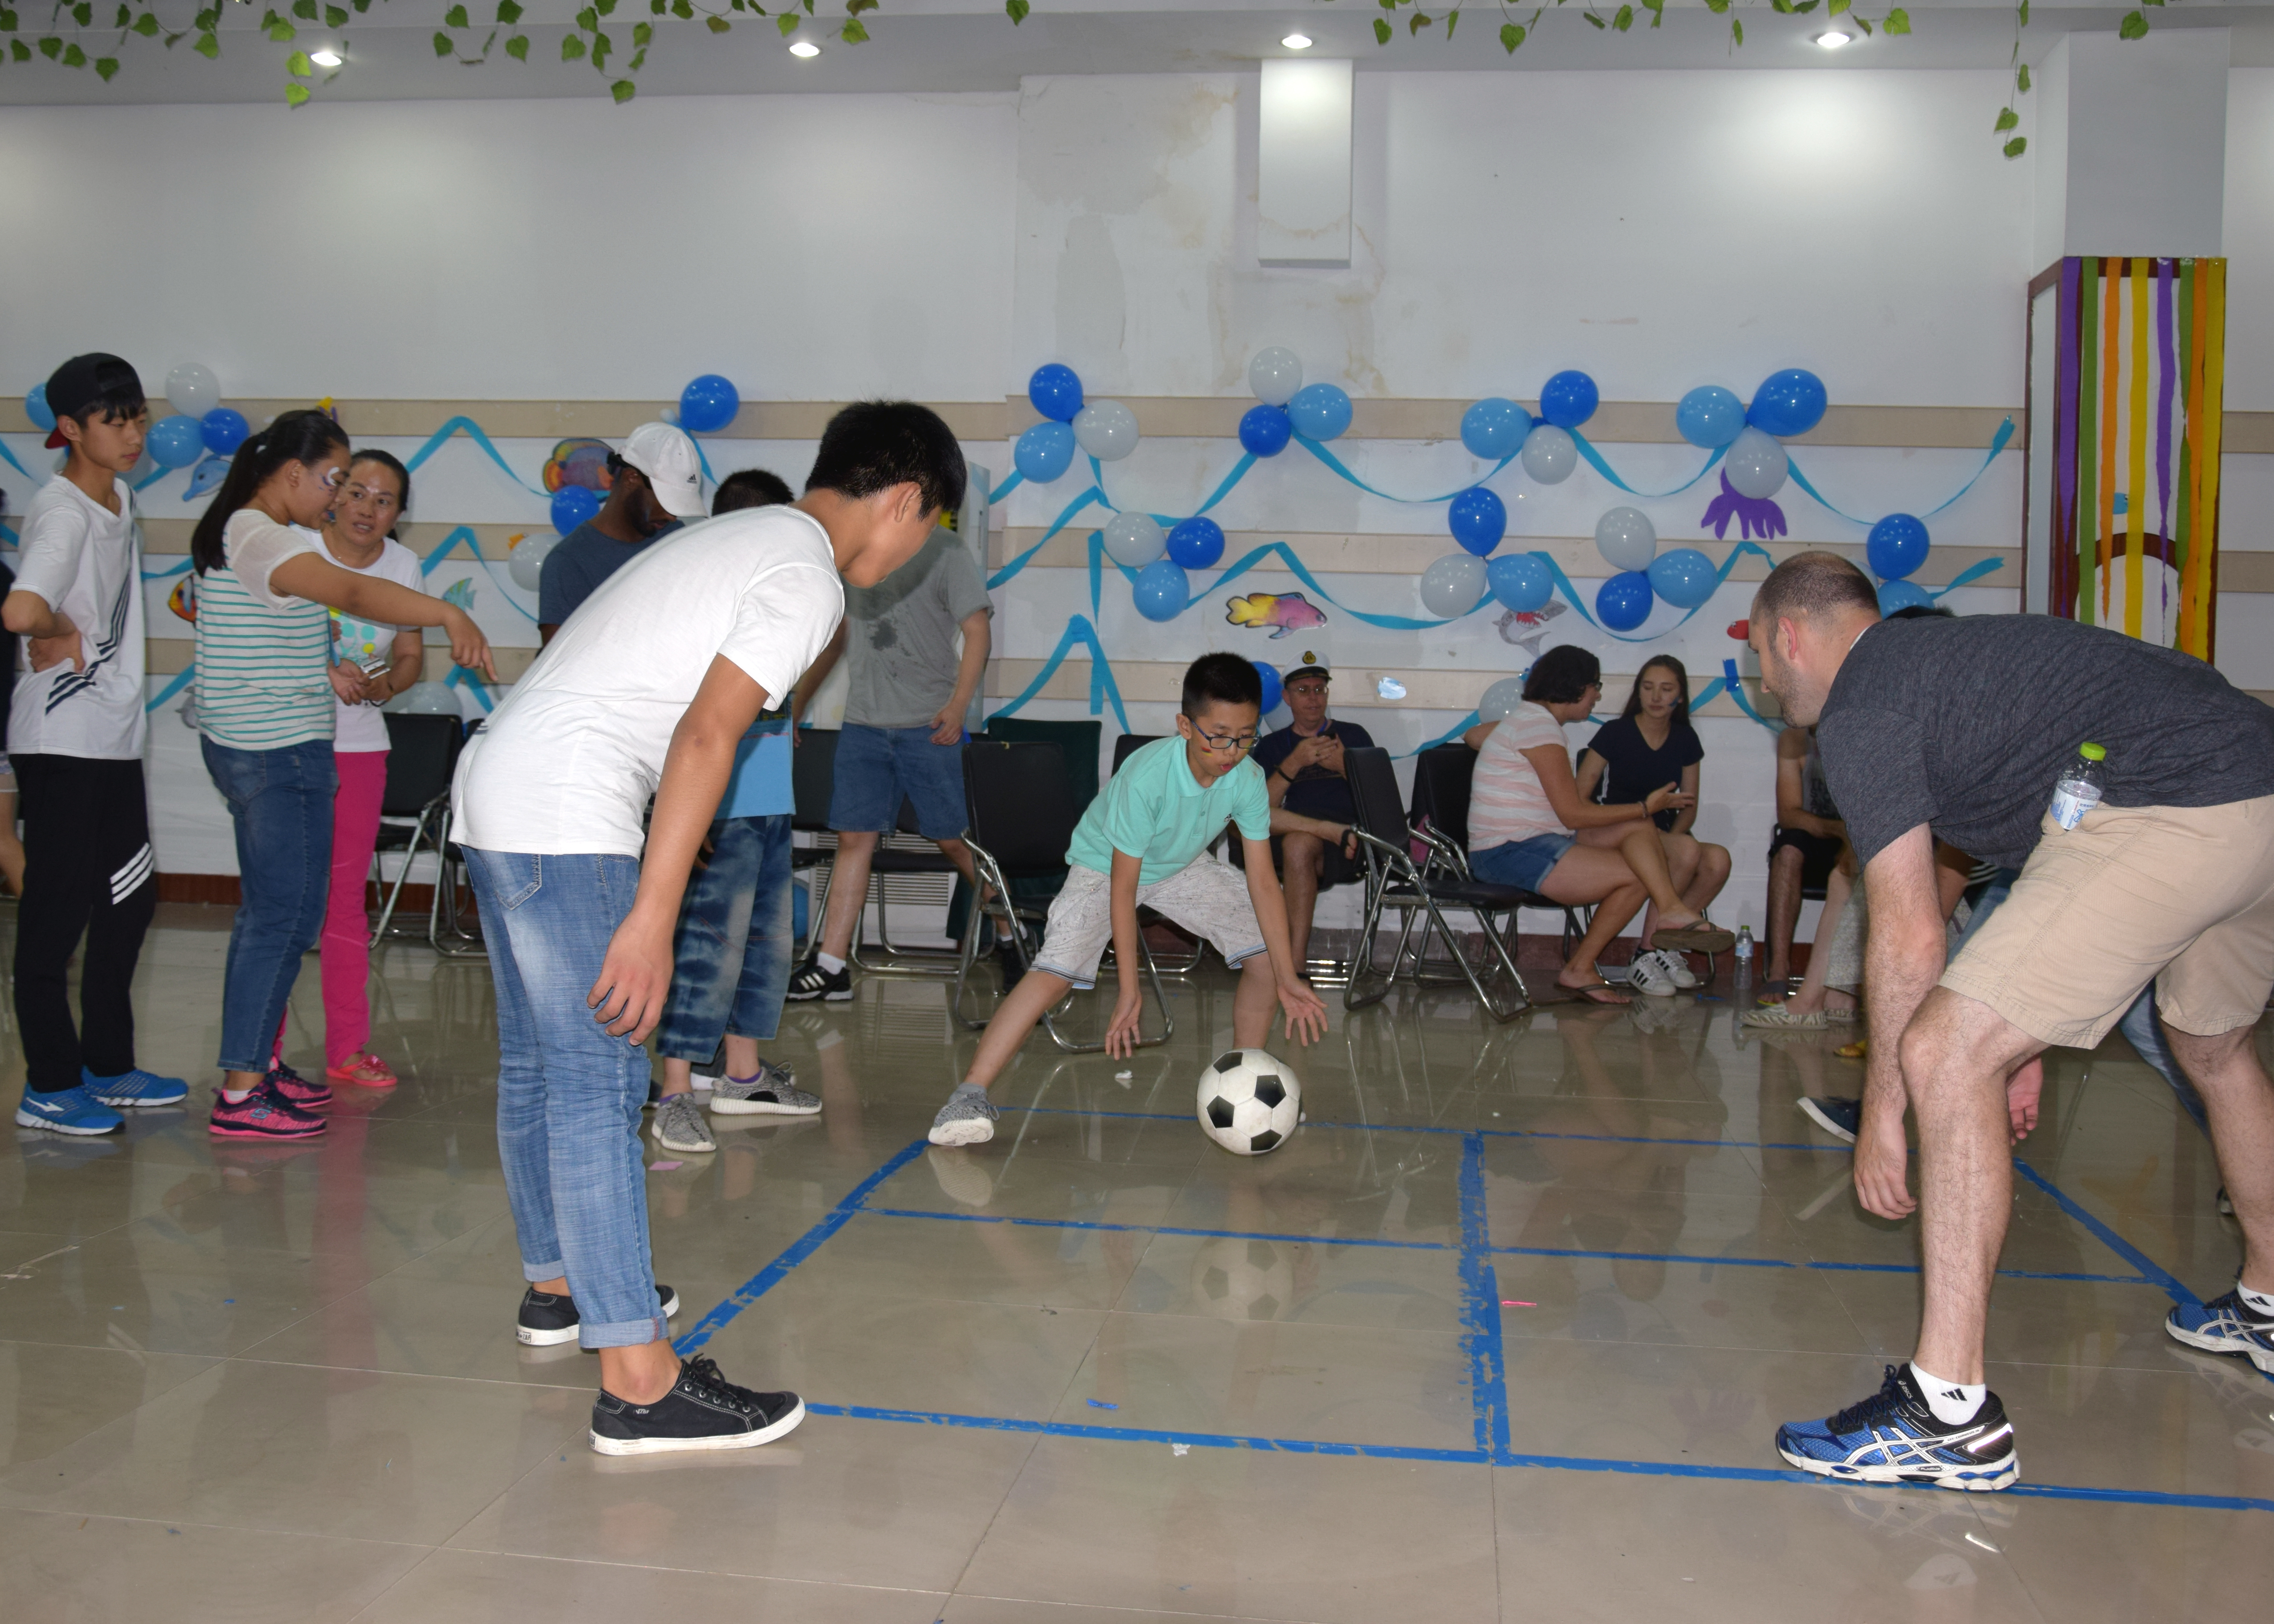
(679, 1127)
(770, 1094)
(968, 1118)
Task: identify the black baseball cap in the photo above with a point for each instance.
(81, 381)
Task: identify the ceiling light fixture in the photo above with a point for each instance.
(806, 49)
(1833, 39)
(325, 58)
(1297, 42)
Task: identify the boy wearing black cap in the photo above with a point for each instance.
(75, 736)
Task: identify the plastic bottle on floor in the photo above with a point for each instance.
(2080, 787)
(1744, 955)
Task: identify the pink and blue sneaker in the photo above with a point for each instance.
(135, 1089)
(295, 1089)
(263, 1114)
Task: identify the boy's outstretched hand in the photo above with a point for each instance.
(1307, 1015)
(1121, 1031)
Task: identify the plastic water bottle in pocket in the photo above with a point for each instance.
(2080, 785)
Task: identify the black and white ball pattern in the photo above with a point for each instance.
(1249, 1101)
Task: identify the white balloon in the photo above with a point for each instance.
(193, 388)
(425, 699)
(1452, 584)
(1501, 699)
(1275, 375)
(1550, 454)
(1136, 539)
(1107, 430)
(1626, 538)
(527, 558)
(1756, 464)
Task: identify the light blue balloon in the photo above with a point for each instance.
(175, 441)
(1495, 428)
(1896, 595)
(1270, 676)
(1321, 411)
(573, 505)
(1710, 417)
(35, 408)
(1521, 581)
(1478, 518)
(1623, 603)
(1161, 591)
(1044, 452)
(1684, 577)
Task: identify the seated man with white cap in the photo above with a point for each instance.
(1311, 806)
(654, 483)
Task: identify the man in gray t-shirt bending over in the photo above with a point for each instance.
(907, 694)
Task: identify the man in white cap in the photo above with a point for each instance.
(654, 484)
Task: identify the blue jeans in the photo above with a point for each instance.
(1526, 864)
(731, 959)
(877, 766)
(569, 1094)
(280, 803)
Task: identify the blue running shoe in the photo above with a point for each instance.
(137, 1087)
(2224, 1325)
(73, 1110)
(1894, 1437)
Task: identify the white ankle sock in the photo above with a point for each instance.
(1952, 1401)
(236, 1096)
(828, 962)
(2258, 1302)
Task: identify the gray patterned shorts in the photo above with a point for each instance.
(1207, 898)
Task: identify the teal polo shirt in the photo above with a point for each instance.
(1155, 810)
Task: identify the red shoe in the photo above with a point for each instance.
(295, 1089)
(365, 1070)
(264, 1114)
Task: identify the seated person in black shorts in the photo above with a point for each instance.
(1311, 806)
(1808, 836)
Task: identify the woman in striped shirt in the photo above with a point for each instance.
(265, 590)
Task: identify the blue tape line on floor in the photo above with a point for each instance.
(1480, 1317)
(1153, 1229)
(2109, 1238)
(1711, 1262)
(1144, 1435)
(1490, 1133)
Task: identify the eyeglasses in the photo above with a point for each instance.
(384, 502)
(1241, 742)
(1310, 690)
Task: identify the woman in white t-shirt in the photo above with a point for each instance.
(1524, 801)
(372, 662)
(266, 709)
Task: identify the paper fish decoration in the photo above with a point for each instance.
(1527, 630)
(461, 595)
(205, 477)
(1290, 612)
(577, 462)
(183, 600)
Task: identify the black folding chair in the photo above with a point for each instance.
(414, 813)
(1128, 744)
(1023, 818)
(1393, 880)
(1442, 780)
(900, 853)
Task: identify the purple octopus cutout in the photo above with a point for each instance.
(1756, 516)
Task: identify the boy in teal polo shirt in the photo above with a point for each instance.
(1145, 841)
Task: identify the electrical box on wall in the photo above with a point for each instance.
(1303, 164)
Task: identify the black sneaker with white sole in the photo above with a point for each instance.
(1840, 1117)
(703, 1410)
(548, 1321)
(812, 982)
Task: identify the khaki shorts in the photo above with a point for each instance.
(2180, 896)
(1207, 898)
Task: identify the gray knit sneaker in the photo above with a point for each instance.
(768, 1094)
(679, 1127)
(968, 1118)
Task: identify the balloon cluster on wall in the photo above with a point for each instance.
(204, 426)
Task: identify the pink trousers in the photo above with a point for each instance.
(347, 926)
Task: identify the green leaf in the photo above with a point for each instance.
(7, 20)
(1657, 9)
(572, 48)
(1452, 21)
(786, 24)
(717, 25)
(1897, 21)
(517, 48)
(852, 32)
(1593, 21)
(2022, 80)
(1737, 30)
(1016, 10)
(1865, 23)
(2015, 147)
(21, 51)
(335, 17)
(588, 20)
(1418, 21)
(624, 90)
(208, 46)
(442, 46)
(681, 9)
(642, 32)
(1717, 6)
(658, 6)
(2025, 14)
(124, 18)
(281, 31)
(638, 61)
(74, 57)
(298, 65)
(1510, 37)
(1836, 8)
(104, 67)
(209, 18)
(1783, 8)
(1624, 21)
(145, 25)
(304, 9)
(509, 13)
(1381, 31)
(296, 95)
(854, 8)
(601, 46)
(2008, 119)
(1803, 7)
(455, 18)
(51, 47)
(2134, 26)
(604, 6)
(83, 13)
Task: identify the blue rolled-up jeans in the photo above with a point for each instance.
(569, 1094)
(731, 959)
(280, 802)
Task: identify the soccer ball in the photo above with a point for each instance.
(1249, 1101)
(1244, 1279)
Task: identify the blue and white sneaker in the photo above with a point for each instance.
(137, 1087)
(72, 1110)
(1894, 1437)
(2224, 1325)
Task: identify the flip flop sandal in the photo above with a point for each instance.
(1703, 938)
(1602, 994)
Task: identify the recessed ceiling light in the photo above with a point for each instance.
(804, 48)
(1297, 42)
(1833, 39)
(325, 58)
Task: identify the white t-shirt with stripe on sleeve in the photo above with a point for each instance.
(1506, 800)
(264, 658)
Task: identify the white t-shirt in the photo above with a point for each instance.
(85, 560)
(358, 728)
(263, 656)
(1506, 802)
(566, 763)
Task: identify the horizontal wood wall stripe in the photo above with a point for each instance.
(171, 656)
(2242, 571)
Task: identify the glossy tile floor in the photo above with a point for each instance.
(1504, 1333)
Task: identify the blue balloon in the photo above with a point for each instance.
(708, 404)
(1270, 686)
(1897, 547)
(1788, 402)
(1196, 543)
(1684, 577)
(223, 429)
(1521, 580)
(573, 505)
(35, 408)
(175, 442)
(1321, 411)
(1264, 430)
(1495, 428)
(1896, 595)
(1055, 392)
(1044, 452)
(1161, 591)
(1623, 603)
(1479, 518)
(1711, 417)
(1568, 400)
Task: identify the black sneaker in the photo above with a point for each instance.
(703, 1410)
(1895, 1437)
(812, 982)
(546, 1320)
(1839, 1118)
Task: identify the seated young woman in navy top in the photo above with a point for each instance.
(1650, 745)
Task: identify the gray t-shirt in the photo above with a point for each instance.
(900, 635)
(1964, 726)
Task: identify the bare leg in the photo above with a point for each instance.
(642, 1374)
(1306, 858)
(678, 1077)
(1591, 873)
(741, 1057)
(1784, 909)
(848, 890)
(11, 848)
(2239, 1102)
(1255, 1002)
(1682, 867)
(1810, 998)
(1645, 850)
(1037, 991)
(1712, 875)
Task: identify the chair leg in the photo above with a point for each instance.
(1160, 998)
(1468, 971)
(1356, 995)
(410, 853)
(990, 874)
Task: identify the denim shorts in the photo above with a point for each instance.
(877, 766)
(731, 959)
(1523, 863)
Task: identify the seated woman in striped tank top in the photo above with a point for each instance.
(1525, 802)
(264, 593)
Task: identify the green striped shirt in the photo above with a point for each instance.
(263, 660)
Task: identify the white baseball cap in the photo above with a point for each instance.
(673, 470)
